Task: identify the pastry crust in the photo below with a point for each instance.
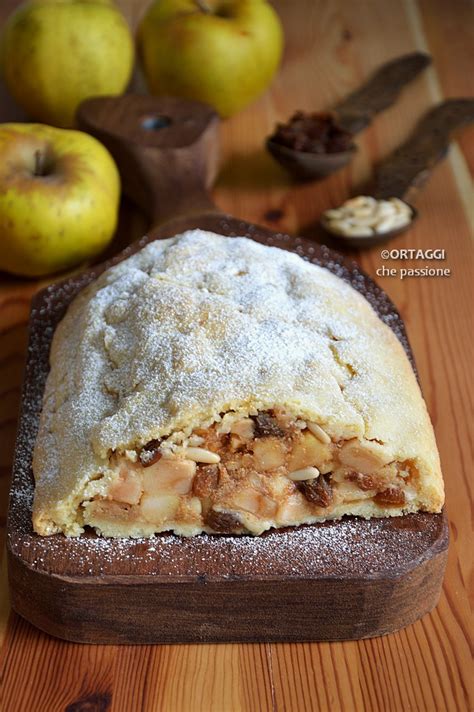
(200, 331)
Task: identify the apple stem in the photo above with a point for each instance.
(203, 6)
(39, 163)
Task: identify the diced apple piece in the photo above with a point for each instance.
(350, 492)
(280, 487)
(109, 511)
(159, 509)
(206, 480)
(243, 428)
(268, 453)
(250, 500)
(169, 475)
(236, 443)
(365, 457)
(293, 510)
(308, 451)
(128, 488)
(194, 507)
(339, 474)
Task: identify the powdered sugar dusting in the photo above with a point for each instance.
(193, 326)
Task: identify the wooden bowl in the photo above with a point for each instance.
(309, 166)
(365, 242)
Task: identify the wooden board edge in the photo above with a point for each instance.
(298, 610)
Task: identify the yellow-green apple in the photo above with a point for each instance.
(55, 53)
(221, 52)
(59, 196)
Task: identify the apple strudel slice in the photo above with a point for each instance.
(209, 384)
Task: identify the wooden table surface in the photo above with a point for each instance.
(331, 45)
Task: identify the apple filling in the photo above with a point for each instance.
(268, 470)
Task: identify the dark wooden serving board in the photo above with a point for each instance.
(333, 581)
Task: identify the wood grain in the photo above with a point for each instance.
(332, 45)
(189, 150)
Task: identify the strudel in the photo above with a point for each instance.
(213, 384)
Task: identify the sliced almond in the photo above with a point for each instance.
(368, 219)
(401, 219)
(384, 208)
(362, 213)
(101, 510)
(335, 213)
(400, 206)
(360, 201)
(340, 226)
(355, 230)
(385, 224)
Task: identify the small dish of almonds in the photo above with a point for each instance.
(365, 221)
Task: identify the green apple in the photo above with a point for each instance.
(221, 52)
(59, 196)
(55, 53)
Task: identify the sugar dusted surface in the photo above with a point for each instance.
(350, 547)
(192, 327)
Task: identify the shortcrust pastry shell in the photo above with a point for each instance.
(201, 331)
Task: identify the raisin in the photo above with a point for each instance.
(313, 133)
(206, 480)
(363, 482)
(223, 522)
(150, 453)
(266, 426)
(318, 491)
(390, 496)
